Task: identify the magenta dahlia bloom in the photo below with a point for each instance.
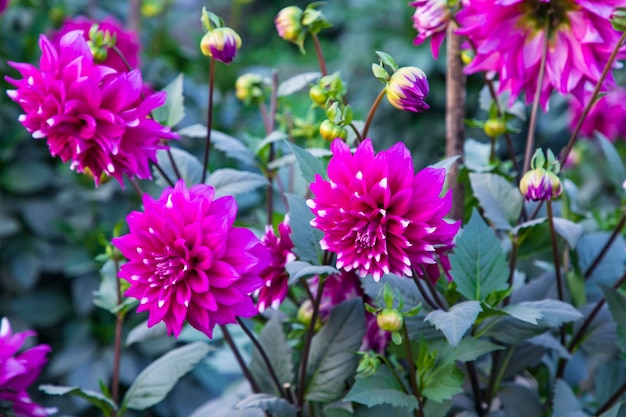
(346, 286)
(18, 371)
(275, 276)
(377, 215)
(186, 261)
(3, 5)
(430, 19)
(90, 114)
(407, 90)
(509, 36)
(607, 116)
(126, 41)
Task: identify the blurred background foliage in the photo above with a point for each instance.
(53, 223)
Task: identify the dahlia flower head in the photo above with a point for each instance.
(378, 216)
(186, 261)
(430, 19)
(606, 116)
(509, 37)
(89, 114)
(221, 44)
(275, 277)
(540, 184)
(407, 90)
(346, 286)
(126, 41)
(18, 371)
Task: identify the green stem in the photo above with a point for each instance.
(607, 245)
(117, 355)
(473, 376)
(359, 138)
(555, 252)
(242, 364)
(320, 55)
(412, 372)
(370, 114)
(612, 400)
(205, 164)
(423, 292)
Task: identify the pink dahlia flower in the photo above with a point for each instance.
(90, 114)
(607, 116)
(186, 261)
(377, 215)
(431, 20)
(18, 371)
(509, 36)
(275, 276)
(126, 41)
(346, 286)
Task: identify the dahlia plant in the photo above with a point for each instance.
(344, 276)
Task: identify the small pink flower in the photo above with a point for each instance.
(126, 41)
(509, 36)
(606, 116)
(275, 277)
(18, 371)
(90, 114)
(407, 90)
(186, 261)
(377, 215)
(431, 20)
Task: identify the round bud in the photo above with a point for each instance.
(540, 185)
(330, 131)
(319, 95)
(494, 127)
(221, 44)
(288, 23)
(389, 320)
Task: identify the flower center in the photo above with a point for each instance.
(170, 269)
(539, 15)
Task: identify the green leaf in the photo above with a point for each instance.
(26, 177)
(476, 156)
(106, 295)
(275, 136)
(455, 322)
(290, 159)
(520, 401)
(309, 164)
(276, 407)
(609, 377)
(188, 165)
(565, 403)
(500, 200)
(617, 306)
(300, 269)
(228, 181)
(280, 355)
(569, 230)
(296, 83)
(381, 388)
(232, 147)
(446, 163)
(479, 265)
(305, 238)
(470, 349)
(443, 383)
(99, 400)
(554, 313)
(332, 359)
(157, 380)
(173, 110)
(615, 165)
(142, 332)
(8, 225)
(523, 313)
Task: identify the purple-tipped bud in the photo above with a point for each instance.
(221, 44)
(407, 89)
(289, 23)
(540, 185)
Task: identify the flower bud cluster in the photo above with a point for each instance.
(293, 24)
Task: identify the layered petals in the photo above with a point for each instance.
(430, 19)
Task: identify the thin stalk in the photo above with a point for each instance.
(266, 359)
(242, 364)
(370, 114)
(320, 55)
(134, 15)
(136, 187)
(359, 138)
(499, 375)
(394, 373)
(433, 291)
(423, 292)
(557, 262)
(512, 265)
(611, 401)
(607, 245)
(412, 372)
(491, 385)
(530, 140)
(592, 100)
(265, 117)
(307, 345)
(117, 355)
(473, 376)
(163, 174)
(269, 120)
(205, 164)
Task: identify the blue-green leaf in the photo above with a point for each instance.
(500, 200)
(309, 164)
(228, 181)
(99, 400)
(300, 269)
(305, 238)
(277, 407)
(381, 388)
(173, 110)
(455, 322)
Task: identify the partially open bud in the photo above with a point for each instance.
(407, 89)
(331, 131)
(221, 44)
(389, 320)
(540, 185)
(289, 24)
(494, 127)
(250, 87)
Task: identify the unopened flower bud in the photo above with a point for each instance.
(151, 8)
(368, 365)
(221, 44)
(100, 53)
(319, 95)
(494, 127)
(540, 185)
(250, 87)
(407, 89)
(467, 56)
(389, 320)
(289, 23)
(305, 314)
(331, 131)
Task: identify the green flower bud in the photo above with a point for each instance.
(305, 314)
(389, 320)
(289, 23)
(319, 95)
(494, 127)
(250, 87)
(331, 131)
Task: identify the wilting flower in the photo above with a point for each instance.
(346, 286)
(540, 185)
(126, 41)
(221, 44)
(431, 20)
(606, 116)
(18, 371)
(407, 89)
(186, 261)
(509, 36)
(289, 23)
(275, 277)
(90, 114)
(377, 215)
